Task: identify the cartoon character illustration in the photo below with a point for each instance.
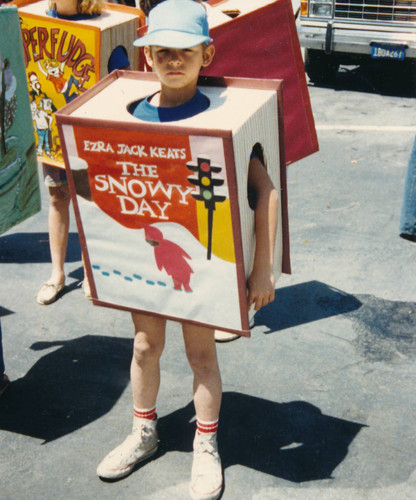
(54, 72)
(35, 90)
(40, 101)
(171, 257)
(42, 118)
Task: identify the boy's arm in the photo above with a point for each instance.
(261, 280)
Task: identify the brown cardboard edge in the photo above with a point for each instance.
(286, 266)
(98, 302)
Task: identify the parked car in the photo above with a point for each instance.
(335, 32)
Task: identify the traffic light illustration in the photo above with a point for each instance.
(206, 183)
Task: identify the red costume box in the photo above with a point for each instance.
(162, 208)
(262, 42)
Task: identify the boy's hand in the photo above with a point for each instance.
(260, 288)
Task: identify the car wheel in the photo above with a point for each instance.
(320, 67)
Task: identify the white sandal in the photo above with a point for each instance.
(49, 293)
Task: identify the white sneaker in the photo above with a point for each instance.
(206, 481)
(139, 445)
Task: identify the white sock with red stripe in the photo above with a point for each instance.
(146, 413)
(203, 427)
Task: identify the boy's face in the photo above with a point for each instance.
(179, 68)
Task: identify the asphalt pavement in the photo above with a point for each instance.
(318, 404)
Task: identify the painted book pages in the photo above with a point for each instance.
(65, 58)
(19, 182)
(162, 208)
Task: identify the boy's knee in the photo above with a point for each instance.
(144, 350)
(201, 361)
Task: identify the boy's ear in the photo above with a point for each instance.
(208, 56)
(148, 56)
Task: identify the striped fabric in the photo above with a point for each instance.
(206, 427)
(148, 414)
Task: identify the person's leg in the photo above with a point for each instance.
(206, 480)
(59, 200)
(202, 356)
(149, 342)
(58, 225)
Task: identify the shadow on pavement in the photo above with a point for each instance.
(72, 386)
(24, 248)
(304, 303)
(293, 441)
(5, 312)
(76, 383)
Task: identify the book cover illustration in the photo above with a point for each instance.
(19, 182)
(60, 64)
(64, 58)
(157, 222)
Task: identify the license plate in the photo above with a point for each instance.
(386, 51)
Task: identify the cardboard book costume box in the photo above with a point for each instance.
(162, 208)
(258, 39)
(64, 58)
(19, 182)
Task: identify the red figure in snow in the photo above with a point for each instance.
(171, 257)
